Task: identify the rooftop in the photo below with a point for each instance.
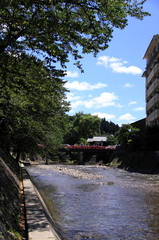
(97, 139)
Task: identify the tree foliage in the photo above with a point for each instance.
(55, 29)
(111, 139)
(82, 126)
(108, 127)
(32, 102)
(128, 136)
(36, 35)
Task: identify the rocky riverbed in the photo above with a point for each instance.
(71, 171)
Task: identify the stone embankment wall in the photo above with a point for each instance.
(142, 161)
(9, 198)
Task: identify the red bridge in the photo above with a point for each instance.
(87, 153)
(94, 147)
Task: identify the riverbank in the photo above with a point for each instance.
(22, 214)
(141, 161)
(12, 212)
(12, 209)
(37, 215)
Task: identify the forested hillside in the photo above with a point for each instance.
(82, 126)
(108, 127)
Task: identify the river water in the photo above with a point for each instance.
(116, 205)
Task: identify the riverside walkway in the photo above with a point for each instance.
(38, 226)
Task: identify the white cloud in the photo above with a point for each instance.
(118, 105)
(117, 65)
(106, 60)
(72, 74)
(126, 117)
(132, 102)
(104, 100)
(104, 115)
(138, 109)
(128, 85)
(77, 104)
(72, 97)
(81, 86)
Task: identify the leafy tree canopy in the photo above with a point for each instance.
(35, 35)
(82, 126)
(54, 29)
(32, 103)
(108, 127)
(128, 135)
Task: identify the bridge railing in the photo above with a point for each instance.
(90, 147)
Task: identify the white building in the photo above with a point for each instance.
(97, 140)
(152, 82)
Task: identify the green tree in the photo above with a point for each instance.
(111, 139)
(83, 126)
(34, 37)
(54, 29)
(128, 136)
(108, 127)
(32, 103)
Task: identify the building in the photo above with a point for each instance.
(152, 82)
(97, 140)
(140, 124)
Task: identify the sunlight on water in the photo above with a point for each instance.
(119, 205)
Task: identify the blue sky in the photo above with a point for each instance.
(111, 85)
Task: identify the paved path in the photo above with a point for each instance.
(37, 224)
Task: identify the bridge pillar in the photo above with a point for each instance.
(80, 158)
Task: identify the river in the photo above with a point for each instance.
(114, 205)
